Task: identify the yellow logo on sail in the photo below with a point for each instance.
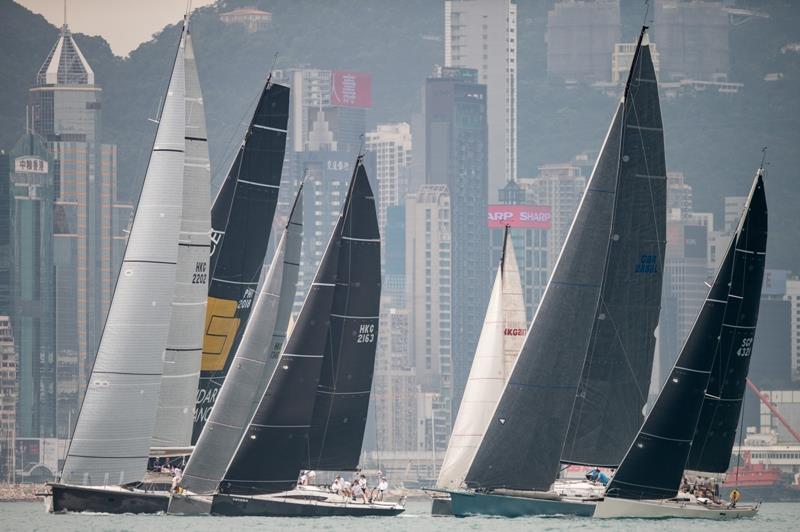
(221, 327)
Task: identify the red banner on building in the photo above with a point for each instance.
(351, 89)
(520, 216)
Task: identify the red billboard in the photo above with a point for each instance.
(351, 89)
(520, 216)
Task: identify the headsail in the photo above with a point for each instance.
(498, 345)
(342, 396)
(616, 373)
(111, 441)
(253, 364)
(173, 427)
(275, 444)
(523, 445)
(241, 220)
(724, 331)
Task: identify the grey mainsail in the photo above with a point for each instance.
(112, 436)
(616, 373)
(253, 363)
(523, 444)
(175, 416)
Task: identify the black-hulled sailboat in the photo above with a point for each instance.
(241, 220)
(693, 422)
(330, 352)
(106, 460)
(581, 379)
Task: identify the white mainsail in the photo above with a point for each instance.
(112, 436)
(501, 338)
(173, 428)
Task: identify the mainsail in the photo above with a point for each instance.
(253, 364)
(616, 374)
(111, 441)
(173, 426)
(498, 346)
(276, 443)
(241, 219)
(523, 444)
(722, 337)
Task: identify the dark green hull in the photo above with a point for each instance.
(465, 504)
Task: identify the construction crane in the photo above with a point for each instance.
(764, 398)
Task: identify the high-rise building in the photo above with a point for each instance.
(693, 39)
(623, 57)
(8, 400)
(65, 110)
(561, 187)
(33, 307)
(393, 242)
(482, 35)
(391, 144)
(679, 195)
(430, 300)
(771, 365)
(6, 242)
(734, 205)
(580, 39)
(793, 296)
(456, 156)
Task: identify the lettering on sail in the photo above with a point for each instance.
(514, 331)
(366, 333)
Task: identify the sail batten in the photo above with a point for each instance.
(108, 447)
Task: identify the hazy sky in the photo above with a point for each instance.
(123, 23)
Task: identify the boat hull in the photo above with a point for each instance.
(441, 506)
(465, 504)
(281, 506)
(112, 500)
(612, 507)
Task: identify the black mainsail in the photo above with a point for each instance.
(616, 373)
(523, 444)
(241, 219)
(276, 443)
(722, 337)
(342, 396)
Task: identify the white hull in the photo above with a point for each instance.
(579, 489)
(654, 509)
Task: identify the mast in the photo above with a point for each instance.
(722, 336)
(111, 439)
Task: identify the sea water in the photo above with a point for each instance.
(24, 516)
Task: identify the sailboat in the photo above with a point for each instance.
(241, 219)
(155, 305)
(330, 353)
(693, 422)
(252, 366)
(588, 354)
(498, 346)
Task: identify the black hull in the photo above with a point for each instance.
(67, 498)
(234, 505)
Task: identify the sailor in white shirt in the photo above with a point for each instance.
(383, 485)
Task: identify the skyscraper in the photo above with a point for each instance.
(561, 187)
(431, 303)
(65, 110)
(8, 400)
(793, 296)
(456, 156)
(482, 35)
(391, 144)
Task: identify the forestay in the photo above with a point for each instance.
(111, 441)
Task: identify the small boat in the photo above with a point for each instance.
(693, 422)
(148, 323)
(576, 391)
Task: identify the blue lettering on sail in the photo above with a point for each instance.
(647, 264)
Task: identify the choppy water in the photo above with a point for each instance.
(32, 516)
